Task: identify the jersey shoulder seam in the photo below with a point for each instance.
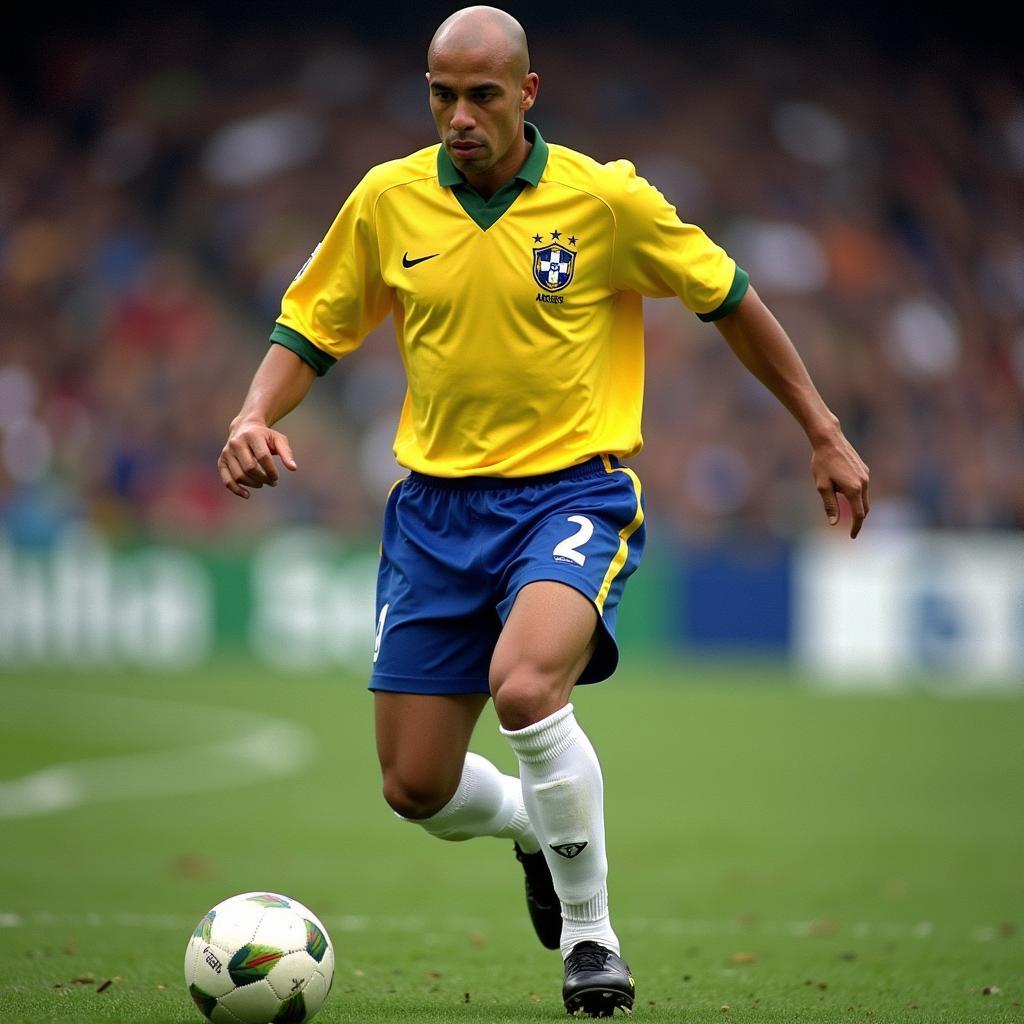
(607, 205)
(376, 202)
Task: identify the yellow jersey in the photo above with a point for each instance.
(519, 318)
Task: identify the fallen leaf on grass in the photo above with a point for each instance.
(193, 867)
(744, 958)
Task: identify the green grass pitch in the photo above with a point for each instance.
(777, 855)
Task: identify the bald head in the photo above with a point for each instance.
(481, 87)
(481, 30)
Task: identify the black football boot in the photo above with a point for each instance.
(541, 899)
(596, 981)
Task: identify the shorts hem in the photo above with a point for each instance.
(542, 575)
(428, 687)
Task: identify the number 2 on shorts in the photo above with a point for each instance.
(567, 550)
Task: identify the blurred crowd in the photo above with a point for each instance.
(160, 188)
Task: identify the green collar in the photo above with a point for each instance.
(485, 213)
(449, 175)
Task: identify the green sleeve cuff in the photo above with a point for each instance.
(740, 283)
(303, 348)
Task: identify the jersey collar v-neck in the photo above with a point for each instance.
(487, 212)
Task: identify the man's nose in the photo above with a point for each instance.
(462, 118)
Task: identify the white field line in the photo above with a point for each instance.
(244, 747)
(412, 924)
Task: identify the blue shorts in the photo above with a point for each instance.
(455, 552)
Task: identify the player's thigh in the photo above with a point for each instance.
(583, 537)
(422, 741)
(548, 638)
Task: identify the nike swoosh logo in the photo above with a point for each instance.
(406, 262)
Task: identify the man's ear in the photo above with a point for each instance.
(531, 83)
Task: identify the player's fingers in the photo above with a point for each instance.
(856, 493)
(856, 501)
(228, 477)
(279, 443)
(258, 461)
(239, 473)
(269, 470)
(831, 503)
(250, 470)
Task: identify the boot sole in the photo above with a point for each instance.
(598, 1002)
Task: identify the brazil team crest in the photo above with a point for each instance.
(553, 266)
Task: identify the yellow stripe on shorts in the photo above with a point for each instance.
(391, 490)
(624, 534)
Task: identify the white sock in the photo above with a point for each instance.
(564, 795)
(486, 803)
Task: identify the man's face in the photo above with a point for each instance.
(477, 101)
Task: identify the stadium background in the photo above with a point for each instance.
(165, 174)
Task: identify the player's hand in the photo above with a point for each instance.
(248, 457)
(838, 469)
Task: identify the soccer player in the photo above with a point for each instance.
(514, 271)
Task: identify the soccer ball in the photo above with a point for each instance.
(259, 958)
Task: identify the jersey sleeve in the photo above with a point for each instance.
(657, 254)
(338, 296)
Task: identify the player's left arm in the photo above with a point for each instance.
(764, 348)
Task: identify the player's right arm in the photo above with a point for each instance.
(247, 460)
(336, 299)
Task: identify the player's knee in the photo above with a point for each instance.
(523, 697)
(414, 799)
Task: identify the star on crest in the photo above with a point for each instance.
(556, 234)
(537, 238)
(572, 239)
